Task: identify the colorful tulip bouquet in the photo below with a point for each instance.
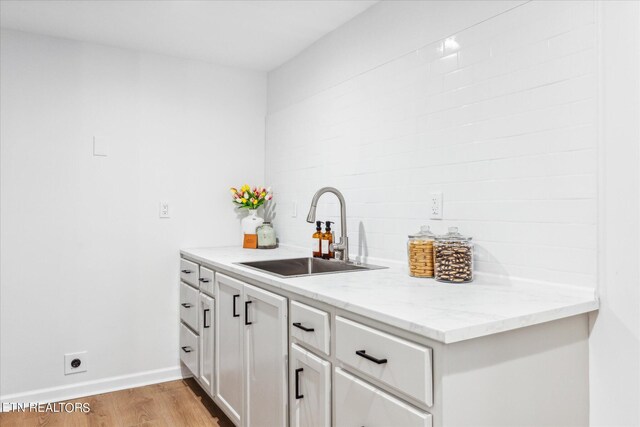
(250, 198)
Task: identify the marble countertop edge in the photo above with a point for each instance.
(444, 313)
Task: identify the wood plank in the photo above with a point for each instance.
(170, 404)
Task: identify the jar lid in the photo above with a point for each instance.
(453, 235)
(424, 232)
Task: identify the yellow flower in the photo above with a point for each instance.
(263, 194)
(233, 190)
(255, 202)
(244, 200)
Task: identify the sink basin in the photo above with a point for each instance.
(298, 267)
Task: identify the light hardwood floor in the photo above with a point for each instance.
(174, 403)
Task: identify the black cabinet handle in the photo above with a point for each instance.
(204, 320)
(246, 313)
(235, 297)
(298, 395)
(203, 280)
(186, 305)
(186, 271)
(299, 325)
(187, 349)
(364, 354)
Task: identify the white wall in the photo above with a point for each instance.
(86, 262)
(492, 103)
(615, 336)
(561, 204)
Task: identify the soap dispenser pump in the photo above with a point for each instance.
(316, 241)
(327, 241)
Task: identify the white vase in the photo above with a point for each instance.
(251, 222)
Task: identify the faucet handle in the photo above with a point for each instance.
(337, 247)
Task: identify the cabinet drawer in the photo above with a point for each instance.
(206, 280)
(189, 272)
(189, 349)
(189, 305)
(402, 365)
(310, 326)
(360, 404)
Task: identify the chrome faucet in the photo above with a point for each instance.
(342, 247)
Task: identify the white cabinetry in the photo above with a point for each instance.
(360, 404)
(189, 272)
(189, 349)
(251, 369)
(402, 365)
(206, 347)
(206, 281)
(310, 326)
(265, 338)
(229, 346)
(310, 385)
(189, 305)
(196, 327)
(345, 369)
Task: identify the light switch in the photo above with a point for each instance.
(164, 209)
(100, 147)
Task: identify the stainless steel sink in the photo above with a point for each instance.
(298, 267)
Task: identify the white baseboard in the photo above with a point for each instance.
(90, 388)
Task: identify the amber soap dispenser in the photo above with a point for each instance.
(327, 240)
(316, 241)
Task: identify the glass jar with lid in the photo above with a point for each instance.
(453, 257)
(420, 253)
(266, 236)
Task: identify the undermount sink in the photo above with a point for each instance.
(298, 267)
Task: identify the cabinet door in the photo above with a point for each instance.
(206, 342)
(360, 404)
(229, 346)
(265, 357)
(309, 379)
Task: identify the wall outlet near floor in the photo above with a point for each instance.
(75, 363)
(164, 209)
(435, 205)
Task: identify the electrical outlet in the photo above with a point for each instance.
(435, 205)
(164, 209)
(75, 363)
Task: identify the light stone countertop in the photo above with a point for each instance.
(443, 312)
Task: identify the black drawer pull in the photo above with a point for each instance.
(364, 354)
(187, 349)
(299, 326)
(203, 280)
(186, 271)
(246, 313)
(298, 395)
(204, 319)
(186, 305)
(235, 297)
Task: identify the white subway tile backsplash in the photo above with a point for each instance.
(500, 117)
